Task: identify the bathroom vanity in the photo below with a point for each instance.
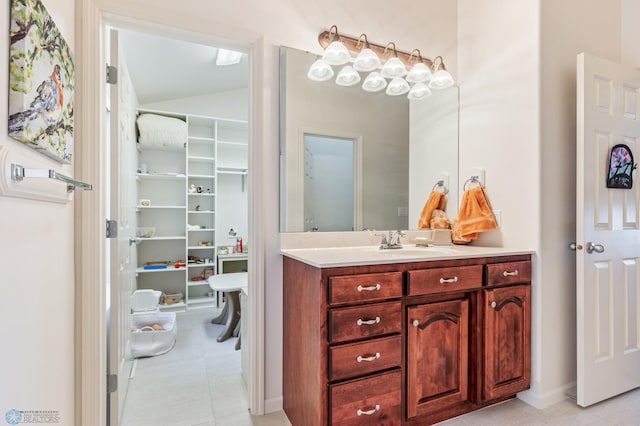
(409, 337)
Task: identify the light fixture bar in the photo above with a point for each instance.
(354, 46)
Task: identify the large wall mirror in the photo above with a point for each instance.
(353, 160)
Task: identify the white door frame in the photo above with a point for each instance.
(90, 241)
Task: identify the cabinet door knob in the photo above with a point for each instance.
(371, 288)
(368, 322)
(370, 412)
(415, 323)
(494, 304)
(450, 280)
(368, 358)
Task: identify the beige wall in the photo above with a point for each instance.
(36, 274)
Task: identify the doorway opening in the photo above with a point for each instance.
(168, 222)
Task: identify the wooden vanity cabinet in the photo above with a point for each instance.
(404, 344)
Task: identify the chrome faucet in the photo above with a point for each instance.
(393, 242)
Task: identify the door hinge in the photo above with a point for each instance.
(112, 74)
(112, 383)
(112, 228)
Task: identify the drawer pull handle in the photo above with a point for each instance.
(371, 288)
(450, 280)
(510, 274)
(368, 322)
(368, 358)
(369, 412)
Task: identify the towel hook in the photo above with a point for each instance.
(440, 185)
(471, 181)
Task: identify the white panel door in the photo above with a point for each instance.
(122, 200)
(607, 233)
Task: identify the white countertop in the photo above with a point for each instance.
(327, 257)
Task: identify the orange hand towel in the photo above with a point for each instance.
(475, 214)
(435, 201)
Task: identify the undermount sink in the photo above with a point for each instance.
(413, 250)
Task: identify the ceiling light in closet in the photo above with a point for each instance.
(228, 57)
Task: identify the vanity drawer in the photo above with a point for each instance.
(357, 359)
(508, 273)
(366, 287)
(372, 401)
(438, 280)
(364, 321)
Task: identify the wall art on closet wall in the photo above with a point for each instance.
(41, 82)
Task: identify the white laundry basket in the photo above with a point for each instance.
(145, 341)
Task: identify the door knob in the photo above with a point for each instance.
(598, 248)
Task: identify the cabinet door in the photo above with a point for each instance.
(507, 341)
(438, 355)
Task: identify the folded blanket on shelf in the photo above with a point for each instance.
(158, 131)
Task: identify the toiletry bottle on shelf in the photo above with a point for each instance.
(239, 245)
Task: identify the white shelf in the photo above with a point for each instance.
(201, 299)
(201, 139)
(201, 230)
(201, 265)
(176, 238)
(159, 207)
(141, 270)
(202, 159)
(201, 247)
(197, 283)
(201, 211)
(201, 177)
(242, 143)
(172, 306)
(232, 170)
(160, 176)
(200, 194)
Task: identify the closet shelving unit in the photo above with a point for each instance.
(163, 186)
(182, 186)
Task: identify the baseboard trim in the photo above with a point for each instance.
(544, 400)
(272, 405)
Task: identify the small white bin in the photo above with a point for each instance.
(148, 342)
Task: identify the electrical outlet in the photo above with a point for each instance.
(498, 216)
(403, 211)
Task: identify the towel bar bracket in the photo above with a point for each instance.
(18, 173)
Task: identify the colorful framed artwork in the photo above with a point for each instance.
(41, 82)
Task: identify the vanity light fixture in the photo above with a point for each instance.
(335, 53)
(393, 67)
(367, 60)
(441, 78)
(347, 76)
(374, 82)
(320, 71)
(382, 63)
(419, 72)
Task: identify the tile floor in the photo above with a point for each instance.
(198, 383)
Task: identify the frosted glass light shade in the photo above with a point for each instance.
(397, 86)
(336, 54)
(374, 82)
(441, 80)
(347, 76)
(320, 71)
(419, 73)
(393, 68)
(366, 61)
(419, 91)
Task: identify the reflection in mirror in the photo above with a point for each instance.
(387, 179)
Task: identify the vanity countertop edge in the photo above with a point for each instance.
(329, 257)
